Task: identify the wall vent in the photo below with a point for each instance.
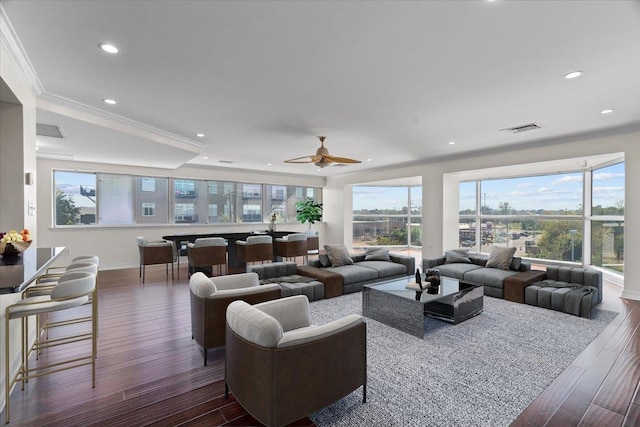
(522, 128)
(51, 131)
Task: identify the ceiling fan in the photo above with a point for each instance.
(322, 157)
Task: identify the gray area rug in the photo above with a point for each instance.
(482, 372)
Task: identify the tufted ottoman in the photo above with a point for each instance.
(552, 292)
(291, 283)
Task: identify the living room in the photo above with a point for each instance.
(441, 166)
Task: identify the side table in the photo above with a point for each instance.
(515, 285)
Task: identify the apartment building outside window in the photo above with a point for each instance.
(84, 198)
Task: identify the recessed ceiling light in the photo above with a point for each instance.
(452, 143)
(607, 111)
(109, 48)
(200, 135)
(205, 157)
(268, 164)
(37, 148)
(109, 101)
(368, 160)
(573, 75)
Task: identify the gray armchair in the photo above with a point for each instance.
(210, 298)
(281, 368)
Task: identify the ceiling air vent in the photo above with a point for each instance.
(51, 131)
(229, 162)
(523, 128)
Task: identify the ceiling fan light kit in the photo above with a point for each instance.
(322, 158)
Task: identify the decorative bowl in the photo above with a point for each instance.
(13, 248)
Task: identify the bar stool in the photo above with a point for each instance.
(255, 248)
(291, 246)
(46, 282)
(207, 252)
(72, 290)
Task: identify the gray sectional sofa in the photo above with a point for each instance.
(573, 290)
(475, 270)
(285, 274)
(345, 279)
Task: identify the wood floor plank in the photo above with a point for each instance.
(550, 399)
(632, 419)
(619, 387)
(597, 416)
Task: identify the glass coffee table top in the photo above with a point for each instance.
(448, 286)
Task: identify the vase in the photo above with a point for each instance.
(9, 249)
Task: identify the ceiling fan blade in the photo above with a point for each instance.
(304, 159)
(341, 159)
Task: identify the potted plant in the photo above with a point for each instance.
(308, 211)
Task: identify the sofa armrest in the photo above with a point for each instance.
(524, 266)
(333, 282)
(407, 261)
(432, 262)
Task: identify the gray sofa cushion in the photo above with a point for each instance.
(456, 256)
(338, 255)
(457, 270)
(376, 254)
(384, 268)
(500, 258)
(354, 273)
(489, 276)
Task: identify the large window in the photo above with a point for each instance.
(75, 195)
(387, 216)
(111, 199)
(544, 216)
(607, 220)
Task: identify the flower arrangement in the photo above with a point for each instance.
(14, 243)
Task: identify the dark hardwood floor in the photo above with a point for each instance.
(150, 372)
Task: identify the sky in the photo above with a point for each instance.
(384, 197)
(549, 192)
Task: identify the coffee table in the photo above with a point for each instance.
(394, 305)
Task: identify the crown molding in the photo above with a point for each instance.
(14, 48)
(67, 107)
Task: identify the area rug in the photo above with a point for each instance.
(481, 372)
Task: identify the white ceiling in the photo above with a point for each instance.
(390, 81)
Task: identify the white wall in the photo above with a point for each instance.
(116, 245)
(17, 146)
(440, 190)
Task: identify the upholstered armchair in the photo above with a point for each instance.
(156, 252)
(255, 248)
(291, 246)
(210, 298)
(206, 253)
(281, 368)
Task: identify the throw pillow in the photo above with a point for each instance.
(500, 258)
(456, 256)
(376, 254)
(338, 255)
(516, 263)
(324, 260)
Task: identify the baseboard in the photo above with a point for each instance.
(631, 295)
